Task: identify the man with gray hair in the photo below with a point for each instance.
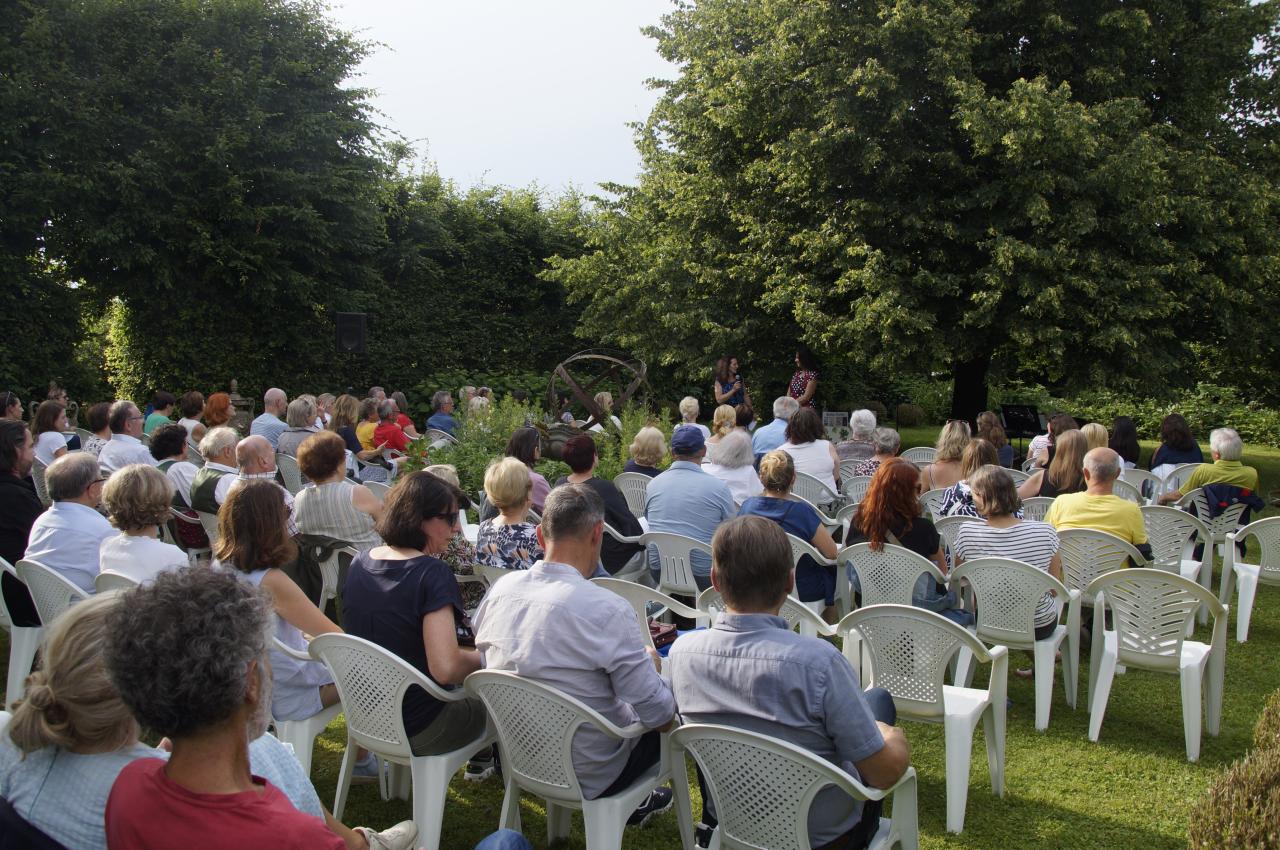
(66, 538)
(859, 446)
(1227, 448)
(300, 422)
(773, 435)
(442, 413)
(125, 446)
(550, 624)
(213, 480)
(270, 424)
(1098, 507)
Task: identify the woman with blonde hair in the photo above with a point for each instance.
(723, 421)
(605, 401)
(138, 498)
(647, 451)
(945, 469)
(508, 541)
(1095, 435)
(1065, 473)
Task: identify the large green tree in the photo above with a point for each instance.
(1072, 191)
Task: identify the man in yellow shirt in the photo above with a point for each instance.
(1098, 507)
(1226, 447)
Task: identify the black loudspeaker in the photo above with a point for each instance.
(350, 332)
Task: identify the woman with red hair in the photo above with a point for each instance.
(890, 513)
(218, 410)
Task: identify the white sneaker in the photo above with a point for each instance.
(398, 837)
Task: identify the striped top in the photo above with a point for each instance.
(1031, 542)
(327, 509)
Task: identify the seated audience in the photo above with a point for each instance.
(886, 442)
(478, 407)
(550, 624)
(218, 411)
(859, 446)
(300, 422)
(162, 405)
(1064, 474)
(213, 480)
(890, 513)
(646, 451)
(686, 500)
(723, 421)
(580, 454)
(812, 454)
(605, 401)
(1177, 446)
(169, 448)
(990, 429)
(1041, 453)
(734, 465)
(333, 505)
(1098, 507)
(324, 410)
(66, 538)
(508, 541)
(769, 437)
(187, 656)
(945, 468)
(1124, 441)
(388, 433)
(814, 583)
(1095, 435)
(19, 508)
(125, 446)
(689, 410)
(1226, 448)
(743, 416)
(257, 462)
(12, 406)
(50, 422)
(377, 393)
(269, 424)
(345, 419)
(525, 446)
(402, 418)
(750, 670)
(98, 419)
(957, 500)
(460, 555)
(369, 422)
(442, 413)
(137, 499)
(191, 406)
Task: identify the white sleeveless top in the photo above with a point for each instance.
(813, 459)
(189, 424)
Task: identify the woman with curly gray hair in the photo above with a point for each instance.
(137, 499)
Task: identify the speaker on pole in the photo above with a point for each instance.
(350, 332)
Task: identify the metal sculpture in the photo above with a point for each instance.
(585, 371)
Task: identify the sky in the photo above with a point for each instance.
(503, 93)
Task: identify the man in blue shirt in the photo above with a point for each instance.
(269, 424)
(749, 670)
(773, 435)
(442, 409)
(685, 500)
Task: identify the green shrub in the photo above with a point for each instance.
(875, 407)
(909, 415)
(1266, 734)
(1241, 809)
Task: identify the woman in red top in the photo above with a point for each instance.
(804, 383)
(388, 433)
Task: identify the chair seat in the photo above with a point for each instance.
(1194, 654)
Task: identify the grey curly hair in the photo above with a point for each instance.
(178, 650)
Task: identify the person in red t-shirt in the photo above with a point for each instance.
(388, 432)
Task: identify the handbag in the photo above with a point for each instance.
(661, 633)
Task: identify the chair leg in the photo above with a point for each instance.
(1071, 664)
(23, 643)
(510, 817)
(959, 744)
(1101, 690)
(430, 791)
(559, 820)
(1043, 652)
(994, 731)
(906, 816)
(344, 779)
(1191, 699)
(1246, 593)
(603, 832)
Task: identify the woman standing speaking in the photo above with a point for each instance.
(729, 388)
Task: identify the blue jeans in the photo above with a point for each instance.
(505, 839)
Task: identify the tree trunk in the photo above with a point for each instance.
(969, 387)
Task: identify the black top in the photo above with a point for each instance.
(613, 554)
(922, 538)
(19, 507)
(632, 466)
(1048, 489)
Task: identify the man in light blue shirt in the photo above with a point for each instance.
(269, 424)
(685, 500)
(442, 413)
(66, 538)
(773, 435)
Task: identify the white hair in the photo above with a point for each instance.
(1226, 443)
(689, 407)
(734, 450)
(886, 441)
(862, 423)
(1103, 464)
(784, 407)
(218, 440)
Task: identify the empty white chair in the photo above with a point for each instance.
(371, 684)
(795, 612)
(1174, 478)
(1127, 491)
(112, 581)
(854, 487)
(1219, 526)
(634, 487)
(37, 478)
(931, 501)
(301, 734)
(1172, 534)
(920, 455)
(23, 643)
(763, 788)
(910, 650)
(640, 597)
(674, 551)
(1150, 486)
(1266, 532)
(1037, 507)
(50, 591)
(1151, 610)
(288, 467)
(1007, 593)
(535, 725)
(815, 493)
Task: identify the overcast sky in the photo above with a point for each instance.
(502, 92)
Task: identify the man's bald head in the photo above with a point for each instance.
(1102, 465)
(275, 401)
(254, 454)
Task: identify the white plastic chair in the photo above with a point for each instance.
(372, 683)
(435, 435)
(885, 577)
(23, 643)
(1172, 534)
(536, 724)
(634, 487)
(847, 468)
(84, 434)
(1249, 575)
(764, 788)
(331, 571)
(1151, 610)
(674, 554)
(795, 612)
(193, 552)
(50, 591)
(469, 531)
(193, 454)
(210, 523)
(1219, 526)
(1006, 593)
(1127, 491)
(1037, 507)
(1176, 477)
(1018, 476)
(931, 501)
(288, 466)
(854, 488)
(1150, 486)
(910, 650)
(112, 581)
(799, 549)
(301, 735)
(639, 597)
(948, 527)
(815, 493)
(379, 489)
(37, 478)
(920, 455)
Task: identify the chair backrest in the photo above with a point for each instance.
(794, 611)
(1267, 533)
(1007, 593)
(674, 550)
(288, 466)
(949, 526)
(1127, 491)
(193, 454)
(910, 649)
(436, 435)
(37, 477)
(854, 487)
(1036, 507)
(1219, 525)
(887, 576)
(1087, 554)
(1151, 610)
(379, 489)
(763, 787)
(639, 597)
(51, 593)
(6, 620)
(634, 487)
(800, 548)
(931, 501)
(331, 570)
(112, 581)
(1169, 531)
(813, 491)
(920, 455)
(1174, 478)
(176, 516)
(1150, 486)
(84, 434)
(847, 468)
(371, 683)
(210, 523)
(535, 725)
(1018, 476)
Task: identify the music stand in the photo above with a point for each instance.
(1020, 420)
